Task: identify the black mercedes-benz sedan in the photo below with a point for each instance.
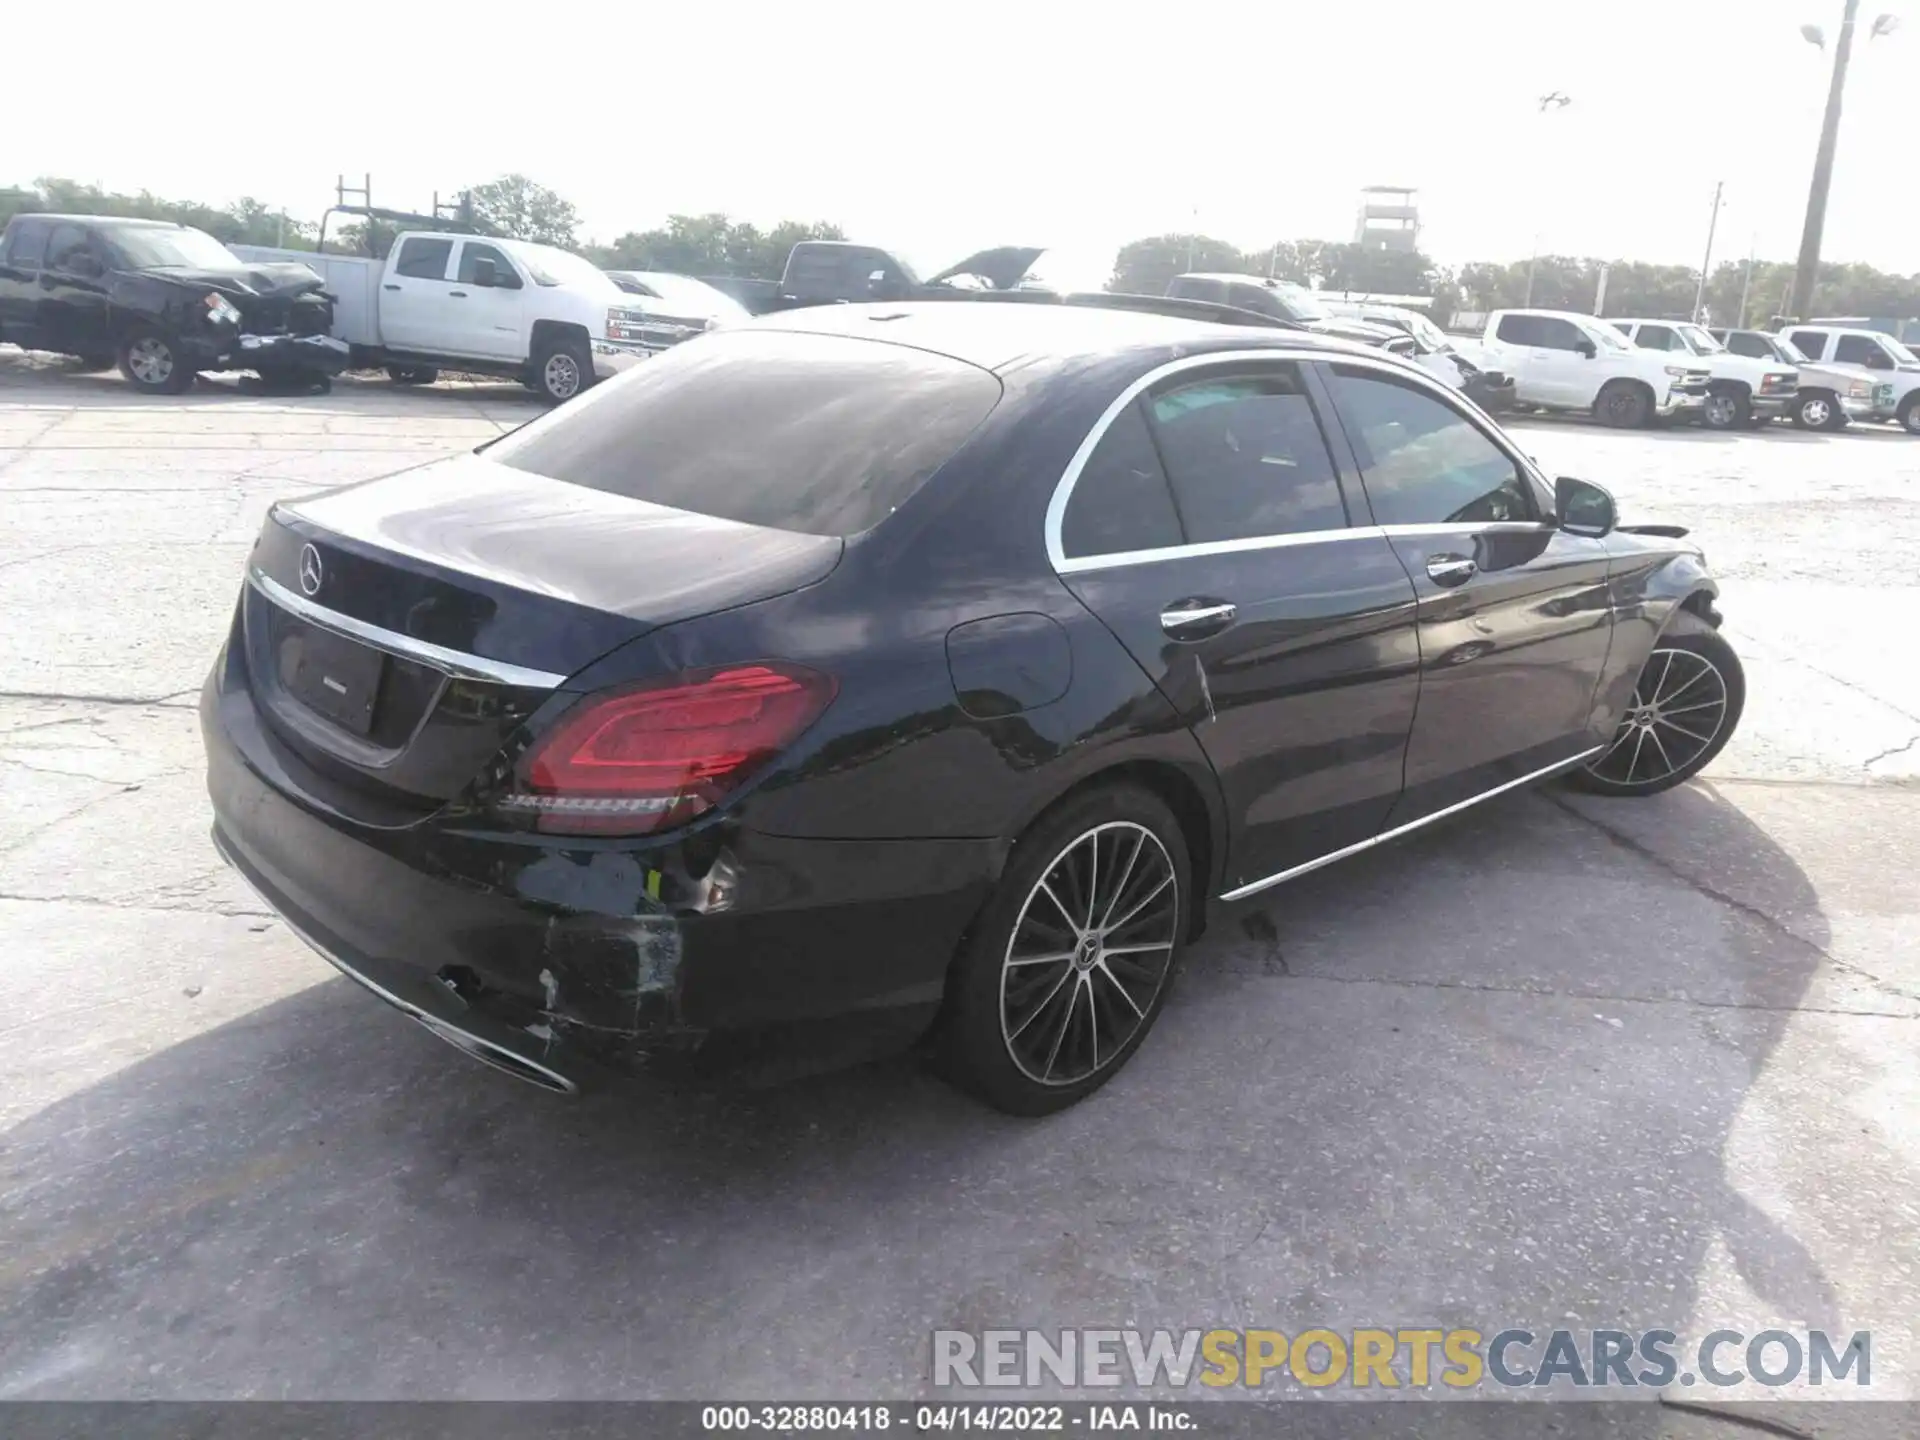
(872, 674)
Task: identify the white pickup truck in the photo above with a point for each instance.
(1560, 360)
(1890, 367)
(1742, 392)
(490, 306)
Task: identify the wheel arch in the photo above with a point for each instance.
(554, 332)
(1729, 385)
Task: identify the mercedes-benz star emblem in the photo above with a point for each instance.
(310, 571)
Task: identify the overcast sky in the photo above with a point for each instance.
(935, 129)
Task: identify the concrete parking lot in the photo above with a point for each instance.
(1566, 1063)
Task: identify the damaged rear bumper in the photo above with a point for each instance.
(726, 955)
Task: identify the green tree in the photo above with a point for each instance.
(523, 209)
(1146, 267)
(712, 244)
(246, 221)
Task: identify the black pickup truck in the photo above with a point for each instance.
(839, 272)
(163, 301)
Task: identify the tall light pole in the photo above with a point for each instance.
(1553, 100)
(1800, 302)
(1713, 220)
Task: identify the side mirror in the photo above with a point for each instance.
(1586, 348)
(1583, 508)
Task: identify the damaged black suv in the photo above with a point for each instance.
(163, 301)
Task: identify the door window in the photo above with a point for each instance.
(1252, 297)
(473, 251)
(1195, 287)
(1754, 347)
(1859, 350)
(1810, 343)
(1545, 332)
(1423, 462)
(65, 247)
(28, 245)
(1121, 501)
(1657, 337)
(1246, 457)
(422, 258)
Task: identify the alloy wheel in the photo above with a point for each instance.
(150, 360)
(1678, 710)
(1815, 412)
(561, 376)
(1089, 953)
(1723, 411)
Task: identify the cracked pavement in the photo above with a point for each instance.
(1565, 1062)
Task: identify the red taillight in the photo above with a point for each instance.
(635, 761)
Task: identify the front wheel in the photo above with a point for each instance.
(1069, 964)
(1684, 710)
(1727, 410)
(1624, 405)
(1910, 414)
(561, 370)
(1818, 410)
(151, 360)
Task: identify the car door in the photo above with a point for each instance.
(1513, 621)
(1546, 372)
(73, 293)
(417, 309)
(1210, 530)
(24, 252)
(492, 315)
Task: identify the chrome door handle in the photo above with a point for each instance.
(1451, 569)
(1196, 619)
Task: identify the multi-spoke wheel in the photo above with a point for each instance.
(1069, 966)
(1684, 708)
(151, 361)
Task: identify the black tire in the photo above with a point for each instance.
(1624, 404)
(1727, 409)
(996, 1058)
(561, 369)
(87, 364)
(150, 359)
(1909, 414)
(1818, 410)
(412, 374)
(1673, 729)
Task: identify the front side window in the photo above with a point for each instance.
(1423, 462)
(1810, 343)
(1859, 350)
(422, 258)
(1121, 501)
(1699, 341)
(1656, 337)
(472, 252)
(1754, 347)
(1246, 457)
(66, 247)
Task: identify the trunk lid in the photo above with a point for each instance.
(398, 631)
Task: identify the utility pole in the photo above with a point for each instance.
(1713, 221)
(1552, 101)
(1746, 283)
(1800, 305)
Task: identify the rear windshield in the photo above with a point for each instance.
(820, 434)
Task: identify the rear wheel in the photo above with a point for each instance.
(1727, 410)
(1624, 404)
(1070, 962)
(151, 360)
(1684, 710)
(561, 370)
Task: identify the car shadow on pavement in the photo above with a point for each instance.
(1485, 1077)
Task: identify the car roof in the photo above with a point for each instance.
(1000, 335)
(121, 221)
(1265, 282)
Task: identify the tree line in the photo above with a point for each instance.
(719, 245)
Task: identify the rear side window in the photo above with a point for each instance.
(1741, 342)
(1246, 458)
(1193, 287)
(424, 259)
(27, 242)
(1810, 343)
(815, 433)
(1121, 501)
(1658, 337)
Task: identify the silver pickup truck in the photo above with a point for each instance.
(1828, 397)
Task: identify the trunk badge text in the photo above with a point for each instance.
(310, 571)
